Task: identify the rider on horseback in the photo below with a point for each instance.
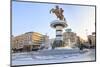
(58, 12)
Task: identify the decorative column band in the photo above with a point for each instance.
(58, 25)
(58, 35)
(58, 30)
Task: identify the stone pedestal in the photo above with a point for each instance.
(59, 25)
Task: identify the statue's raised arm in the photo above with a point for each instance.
(51, 10)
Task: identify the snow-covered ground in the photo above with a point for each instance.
(54, 56)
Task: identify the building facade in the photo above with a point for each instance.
(69, 38)
(28, 41)
(46, 41)
(92, 39)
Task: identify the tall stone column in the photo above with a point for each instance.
(59, 25)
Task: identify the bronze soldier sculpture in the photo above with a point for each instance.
(58, 12)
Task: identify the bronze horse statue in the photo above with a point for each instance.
(58, 12)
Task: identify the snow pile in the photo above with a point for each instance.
(43, 58)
